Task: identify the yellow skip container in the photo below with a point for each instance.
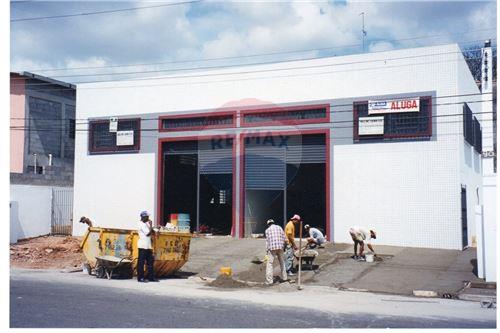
(170, 249)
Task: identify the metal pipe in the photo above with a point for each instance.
(300, 256)
(34, 163)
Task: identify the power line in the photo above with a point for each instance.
(235, 79)
(333, 107)
(265, 54)
(330, 122)
(381, 60)
(212, 67)
(102, 12)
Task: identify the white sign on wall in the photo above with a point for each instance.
(113, 124)
(394, 106)
(371, 126)
(125, 138)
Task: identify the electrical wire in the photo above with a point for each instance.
(332, 106)
(23, 127)
(262, 54)
(231, 66)
(384, 60)
(227, 80)
(101, 12)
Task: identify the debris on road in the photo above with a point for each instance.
(59, 252)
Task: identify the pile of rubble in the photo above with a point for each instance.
(54, 252)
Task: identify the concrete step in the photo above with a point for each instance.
(478, 294)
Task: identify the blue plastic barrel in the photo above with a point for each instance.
(183, 222)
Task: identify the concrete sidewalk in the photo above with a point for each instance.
(401, 271)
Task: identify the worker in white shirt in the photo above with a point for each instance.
(316, 237)
(361, 236)
(145, 230)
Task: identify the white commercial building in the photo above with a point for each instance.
(386, 140)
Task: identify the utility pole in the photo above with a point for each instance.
(363, 31)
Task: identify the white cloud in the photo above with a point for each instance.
(380, 46)
(225, 29)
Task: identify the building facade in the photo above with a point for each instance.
(42, 144)
(42, 136)
(387, 140)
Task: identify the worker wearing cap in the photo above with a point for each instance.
(145, 230)
(361, 236)
(275, 242)
(290, 243)
(315, 238)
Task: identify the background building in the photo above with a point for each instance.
(42, 143)
(388, 140)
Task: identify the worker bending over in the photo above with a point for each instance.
(316, 237)
(360, 236)
(275, 243)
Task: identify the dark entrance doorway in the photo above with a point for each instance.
(180, 186)
(305, 193)
(197, 179)
(284, 175)
(216, 203)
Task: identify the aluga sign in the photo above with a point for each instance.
(394, 106)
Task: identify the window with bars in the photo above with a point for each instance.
(294, 115)
(101, 140)
(71, 128)
(478, 136)
(468, 124)
(396, 125)
(184, 123)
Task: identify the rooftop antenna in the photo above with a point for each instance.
(363, 29)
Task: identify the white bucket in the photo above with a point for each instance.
(369, 257)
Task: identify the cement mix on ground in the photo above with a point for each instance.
(226, 281)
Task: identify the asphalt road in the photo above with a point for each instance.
(45, 304)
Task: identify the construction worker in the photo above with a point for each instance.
(360, 235)
(315, 238)
(290, 243)
(145, 230)
(275, 242)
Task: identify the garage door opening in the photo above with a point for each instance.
(197, 179)
(180, 186)
(284, 175)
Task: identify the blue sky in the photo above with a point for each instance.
(214, 29)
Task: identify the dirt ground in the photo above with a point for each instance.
(56, 252)
(224, 281)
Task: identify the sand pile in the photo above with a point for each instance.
(225, 281)
(47, 252)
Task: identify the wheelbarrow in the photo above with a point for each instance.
(308, 257)
(108, 265)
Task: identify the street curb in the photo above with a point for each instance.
(358, 290)
(425, 293)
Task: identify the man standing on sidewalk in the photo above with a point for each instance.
(145, 248)
(275, 242)
(290, 240)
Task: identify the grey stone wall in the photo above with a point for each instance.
(50, 115)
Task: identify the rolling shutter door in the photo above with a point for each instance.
(216, 161)
(265, 168)
(210, 160)
(305, 154)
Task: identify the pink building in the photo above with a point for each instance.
(42, 136)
